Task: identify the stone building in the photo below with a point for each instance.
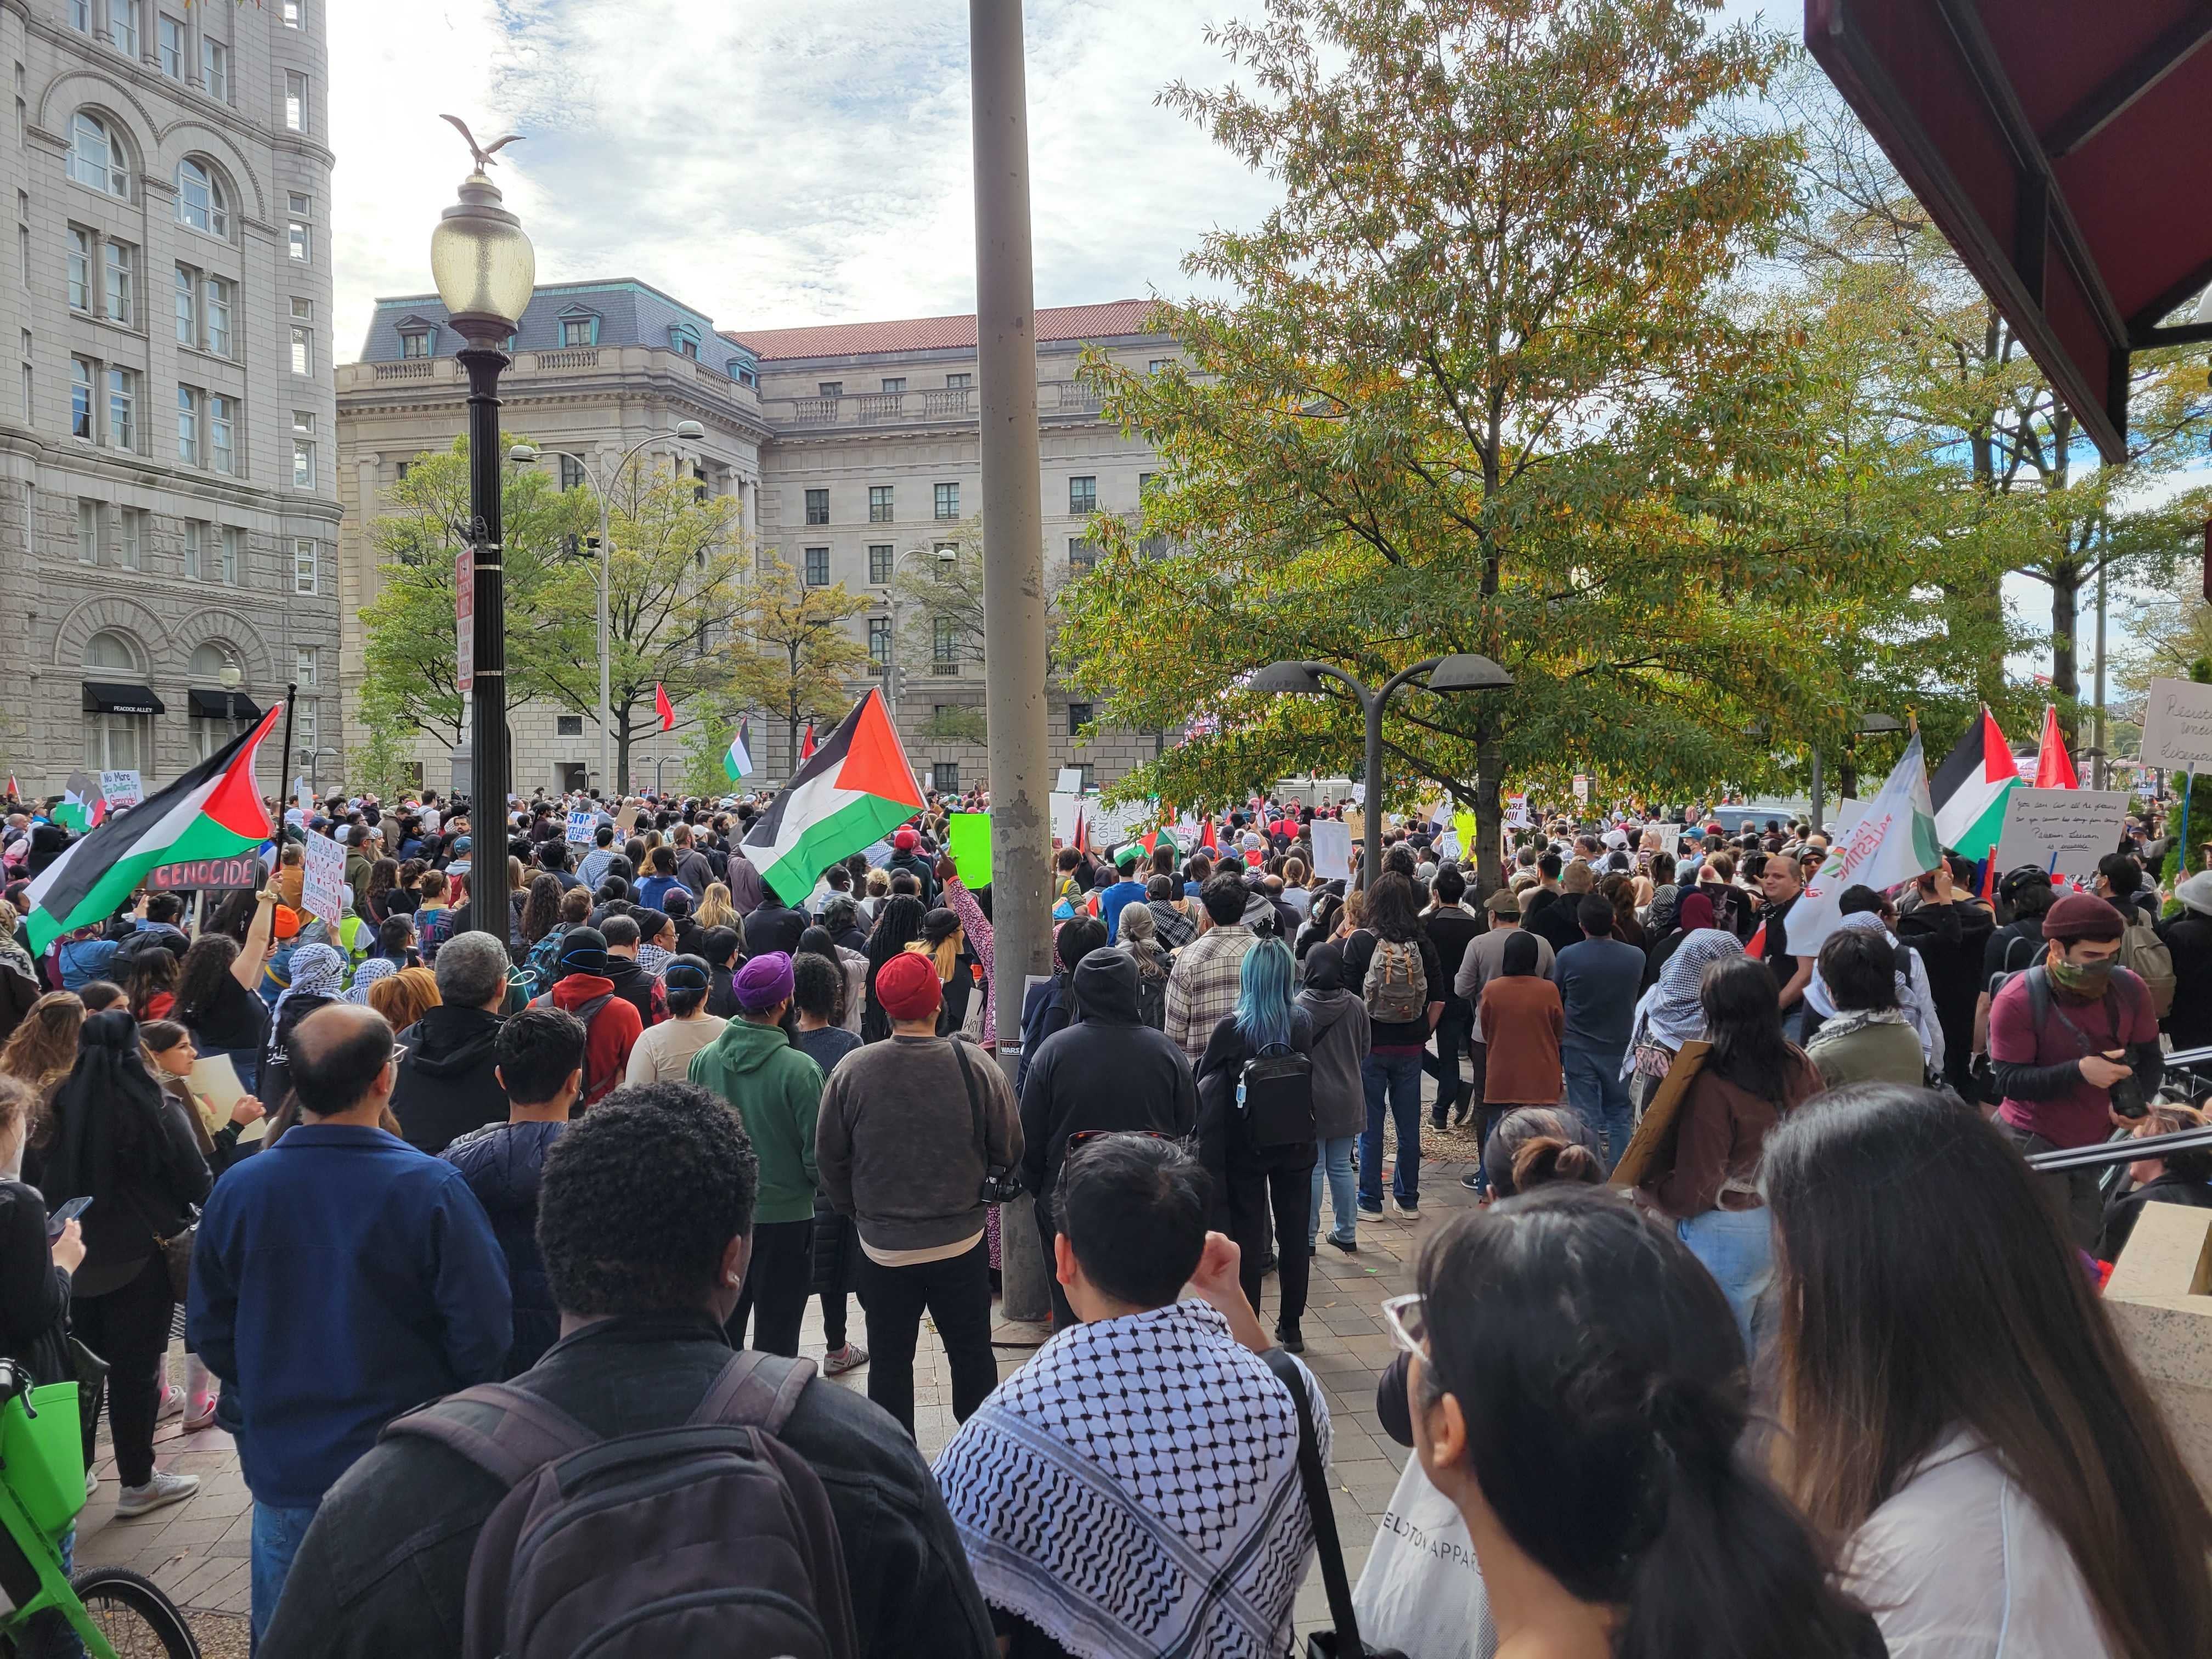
(852, 447)
(166, 499)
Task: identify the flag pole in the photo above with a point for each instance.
(284, 766)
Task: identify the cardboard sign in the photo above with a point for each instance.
(2064, 831)
(583, 828)
(2177, 725)
(626, 819)
(122, 789)
(323, 893)
(1332, 846)
(1651, 1154)
(240, 873)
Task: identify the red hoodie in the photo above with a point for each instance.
(612, 1033)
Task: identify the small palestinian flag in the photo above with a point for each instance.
(853, 791)
(738, 763)
(81, 807)
(213, 812)
(1970, 787)
(806, 746)
(663, 708)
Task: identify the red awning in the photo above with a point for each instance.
(2060, 146)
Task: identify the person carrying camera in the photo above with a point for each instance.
(2074, 1042)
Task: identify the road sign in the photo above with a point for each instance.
(465, 618)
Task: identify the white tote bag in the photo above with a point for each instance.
(1421, 1592)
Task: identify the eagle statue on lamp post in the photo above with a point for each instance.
(483, 153)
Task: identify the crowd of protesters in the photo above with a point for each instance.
(578, 1176)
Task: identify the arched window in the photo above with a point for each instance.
(111, 651)
(207, 665)
(201, 202)
(96, 156)
(218, 714)
(115, 742)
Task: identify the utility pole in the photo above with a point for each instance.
(1013, 571)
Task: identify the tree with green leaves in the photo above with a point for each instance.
(941, 603)
(793, 654)
(408, 634)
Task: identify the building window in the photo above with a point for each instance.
(959, 382)
(817, 567)
(115, 743)
(122, 305)
(300, 204)
(817, 507)
(194, 549)
(122, 25)
(416, 345)
(96, 156)
(88, 532)
(234, 556)
(219, 293)
(1157, 364)
(303, 350)
(303, 567)
(214, 69)
(303, 310)
(303, 454)
(122, 408)
(23, 238)
(880, 503)
(26, 394)
(567, 726)
(895, 383)
(296, 101)
(80, 269)
(580, 332)
(399, 470)
(201, 202)
(188, 424)
(830, 388)
(1086, 783)
(572, 473)
(80, 399)
(304, 660)
(130, 543)
(1079, 716)
(948, 501)
(946, 642)
(1082, 553)
(297, 242)
(1082, 496)
(743, 375)
(879, 564)
(187, 297)
(80, 14)
(290, 11)
(307, 734)
(879, 640)
(1145, 483)
(170, 34)
(222, 423)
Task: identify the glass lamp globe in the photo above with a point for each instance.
(483, 263)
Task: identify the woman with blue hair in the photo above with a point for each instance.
(1256, 1128)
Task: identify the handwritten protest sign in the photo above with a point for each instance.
(1332, 845)
(323, 893)
(2177, 725)
(581, 826)
(2064, 831)
(122, 789)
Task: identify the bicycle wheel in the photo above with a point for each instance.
(138, 1620)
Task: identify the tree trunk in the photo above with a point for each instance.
(622, 754)
(1489, 820)
(2065, 607)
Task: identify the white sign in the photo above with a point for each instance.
(582, 826)
(1516, 817)
(2178, 726)
(1070, 781)
(1066, 805)
(1582, 787)
(323, 893)
(1332, 845)
(122, 789)
(1111, 825)
(302, 797)
(2063, 831)
(465, 618)
(1359, 794)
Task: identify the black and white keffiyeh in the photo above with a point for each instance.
(1134, 1492)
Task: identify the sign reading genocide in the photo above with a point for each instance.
(239, 873)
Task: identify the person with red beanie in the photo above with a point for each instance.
(2074, 1041)
(908, 854)
(907, 1131)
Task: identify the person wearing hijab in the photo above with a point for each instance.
(122, 1143)
(1669, 1013)
(318, 973)
(1915, 1000)
(372, 969)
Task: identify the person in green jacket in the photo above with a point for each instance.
(776, 1090)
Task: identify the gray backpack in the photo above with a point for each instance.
(709, 1537)
(1396, 988)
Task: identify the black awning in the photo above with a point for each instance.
(222, 705)
(105, 697)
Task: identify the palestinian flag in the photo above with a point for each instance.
(738, 763)
(854, 790)
(81, 807)
(213, 812)
(1969, 789)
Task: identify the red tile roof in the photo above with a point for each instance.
(1115, 317)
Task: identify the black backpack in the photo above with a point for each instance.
(709, 1537)
(1274, 1096)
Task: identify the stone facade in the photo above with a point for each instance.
(840, 441)
(166, 499)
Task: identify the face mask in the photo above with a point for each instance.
(2083, 978)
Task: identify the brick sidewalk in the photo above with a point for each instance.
(198, 1550)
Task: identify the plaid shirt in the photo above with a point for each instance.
(1203, 987)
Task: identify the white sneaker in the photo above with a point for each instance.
(172, 1403)
(850, 1358)
(164, 1489)
(91, 1484)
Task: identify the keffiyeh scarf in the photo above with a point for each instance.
(316, 971)
(1669, 1013)
(1914, 998)
(374, 968)
(1133, 1490)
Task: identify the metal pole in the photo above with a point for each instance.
(2097, 765)
(606, 697)
(1819, 788)
(488, 759)
(1371, 861)
(1013, 569)
(291, 703)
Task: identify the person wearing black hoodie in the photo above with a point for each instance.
(724, 951)
(1341, 1036)
(632, 983)
(447, 1082)
(1109, 1072)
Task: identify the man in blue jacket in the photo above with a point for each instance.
(340, 1279)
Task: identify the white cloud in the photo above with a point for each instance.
(767, 163)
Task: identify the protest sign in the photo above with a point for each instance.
(323, 893)
(1463, 826)
(1332, 845)
(1111, 825)
(1070, 781)
(582, 826)
(2177, 725)
(1065, 809)
(122, 789)
(1582, 787)
(968, 839)
(240, 873)
(2063, 831)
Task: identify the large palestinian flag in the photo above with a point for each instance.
(213, 812)
(1970, 787)
(855, 789)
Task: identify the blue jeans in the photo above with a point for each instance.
(1335, 1161)
(1398, 1078)
(1596, 1088)
(276, 1535)
(1737, 1247)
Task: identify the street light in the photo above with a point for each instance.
(1461, 670)
(523, 455)
(485, 271)
(228, 677)
(891, 678)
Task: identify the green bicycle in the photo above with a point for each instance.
(105, 1612)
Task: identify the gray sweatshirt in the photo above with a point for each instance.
(1340, 1035)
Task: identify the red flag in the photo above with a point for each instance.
(1082, 829)
(806, 744)
(1206, 837)
(2054, 769)
(1755, 947)
(666, 708)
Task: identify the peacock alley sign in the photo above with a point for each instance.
(2177, 725)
